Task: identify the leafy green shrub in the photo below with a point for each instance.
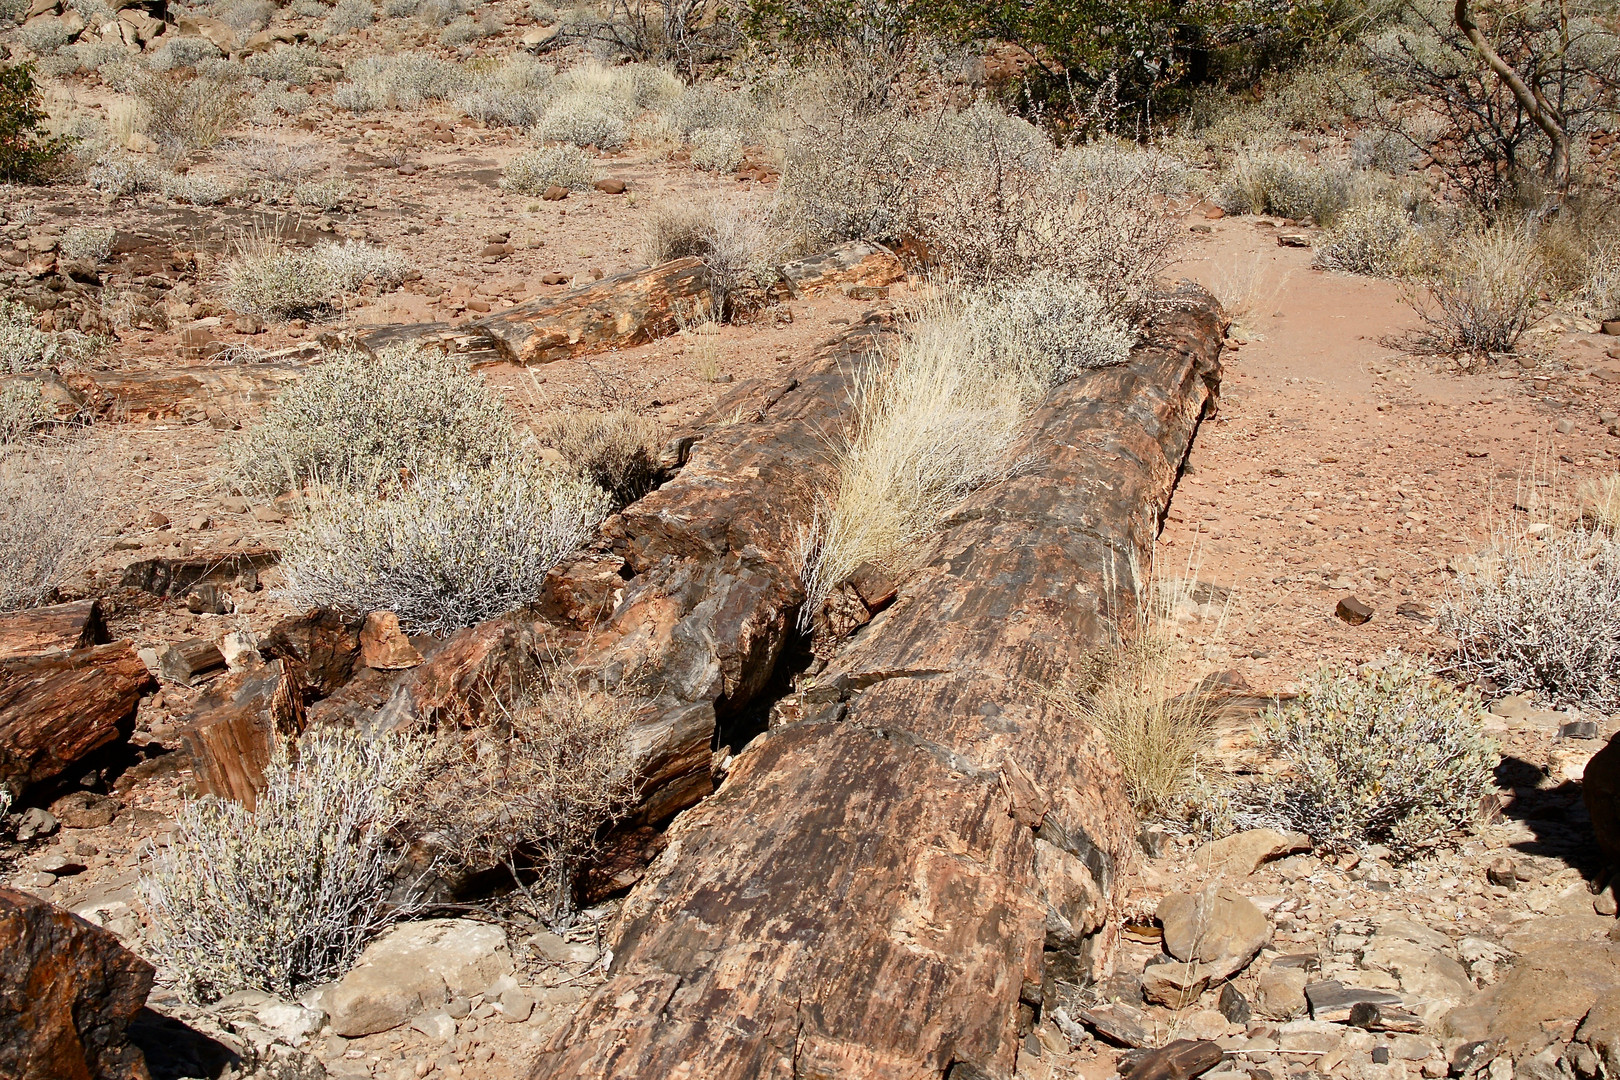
(1544, 616)
(1389, 756)
(288, 893)
(356, 419)
(533, 171)
(27, 154)
(448, 548)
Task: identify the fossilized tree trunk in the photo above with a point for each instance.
(923, 843)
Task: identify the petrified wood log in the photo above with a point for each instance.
(855, 263)
(714, 586)
(323, 643)
(234, 729)
(58, 628)
(57, 709)
(191, 661)
(624, 309)
(876, 887)
(165, 576)
(68, 991)
(151, 395)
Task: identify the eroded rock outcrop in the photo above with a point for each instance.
(922, 845)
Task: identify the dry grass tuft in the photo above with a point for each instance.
(1484, 297)
(617, 450)
(52, 496)
(540, 787)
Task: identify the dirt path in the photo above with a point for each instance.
(1341, 466)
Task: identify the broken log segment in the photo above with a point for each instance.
(322, 642)
(165, 576)
(58, 628)
(620, 310)
(855, 263)
(877, 887)
(191, 661)
(56, 710)
(233, 732)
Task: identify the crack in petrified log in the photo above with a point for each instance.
(876, 895)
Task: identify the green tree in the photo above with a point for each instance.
(27, 155)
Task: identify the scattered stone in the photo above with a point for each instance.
(554, 278)
(384, 646)
(1233, 1005)
(1578, 729)
(209, 600)
(267, 514)
(1118, 1024)
(85, 810)
(34, 823)
(1605, 902)
(1500, 872)
(1216, 926)
(554, 193)
(1418, 613)
(240, 650)
(515, 1006)
(415, 967)
(1353, 611)
(1245, 852)
(1331, 1000)
(1365, 1014)
(1179, 1060)
(1294, 240)
(1178, 984)
(438, 1026)
(610, 186)
(1281, 992)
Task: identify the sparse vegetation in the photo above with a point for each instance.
(533, 171)
(1286, 185)
(190, 113)
(89, 242)
(23, 411)
(1483, 297)
(1385, 755)
(741, 246)
(357, 419)
(445, 549)
(618, 450)
(1379, 239)
(51, 500)
(540, 794)
(288, 893)
(268, 279)
(1543, 615)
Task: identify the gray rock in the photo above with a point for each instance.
(1243, 853)
(438, 1026)
(414, 968)
(1422, 972)
(1214, 926)
(36, 822)
(1281, 993)
(1332, 1001)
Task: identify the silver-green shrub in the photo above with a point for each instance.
(1543, 616)
(23, 346)
(356, 418)
(445, 549)
(1286, 185)
(1375, 240)
(1048, 328)
(349, 15)
(1390, 756)
(22, 412)
(288, 893)
(533, 171)
(583, 123)
(282, 283)
(91, 242)
(717, 149)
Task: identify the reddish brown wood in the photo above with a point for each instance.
(234, 729)
(323, 643)
(620, 310)
(191, 661)
(58, 628)
(55, 710)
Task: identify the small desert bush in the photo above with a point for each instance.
(582, 123)
(28, 153)
(741, 246)
(198, 189)
(709, 106)
(326, 194)
(119, 175)
(1377, 240)
(617, 450)
(1047, 328)
(91, 242)
(194, 113)
(853, 176)
(1391, 756)
(1599, 292)
(406, 81)
(1544, 616)
(181, 52)
(533, 171)
(24, 347)
(268, 279)
(350, 15)
(357, 418)
(540, 793)
(51, 498)
(1483, 297)
(288, 893)
(292, 65)
(1285, 185)
(717, 149)
(444, 549)
(22, 412)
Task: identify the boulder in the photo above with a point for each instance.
(324, 645)
(1241, 854)
(1553, 984)
(855, 263)
(1600, 789)
(1423, 972)
(68, 991)
(1601, 1031)
(384, 646)
(861, 896)
(1216, 926)
(414, 968)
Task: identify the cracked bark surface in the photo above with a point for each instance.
(923, 842)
